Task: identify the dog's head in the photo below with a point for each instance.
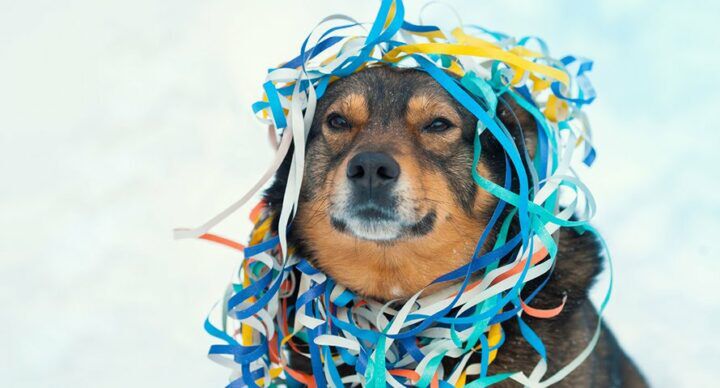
(388, 201)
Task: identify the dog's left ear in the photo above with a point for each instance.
(520, 123)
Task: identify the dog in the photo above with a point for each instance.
(388, 204)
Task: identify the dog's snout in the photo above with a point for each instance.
(372, 169)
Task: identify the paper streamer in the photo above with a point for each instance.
(260, 323)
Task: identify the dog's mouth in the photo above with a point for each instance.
(381, 224)
(376, 201)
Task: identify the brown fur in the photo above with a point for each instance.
(387, 110)
(398, 270)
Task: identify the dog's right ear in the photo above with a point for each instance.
(520, 123)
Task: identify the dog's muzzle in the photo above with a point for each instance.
(373, 203)
(372, 175)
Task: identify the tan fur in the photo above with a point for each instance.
(422, 110)
(354, 108)
(398, 269)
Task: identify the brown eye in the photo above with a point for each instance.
(337, 122)
(438, 125)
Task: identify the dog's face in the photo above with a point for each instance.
(388, 202)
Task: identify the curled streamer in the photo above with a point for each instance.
(406, 346)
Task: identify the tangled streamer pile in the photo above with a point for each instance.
(400, 345)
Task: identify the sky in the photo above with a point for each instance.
(120, 120)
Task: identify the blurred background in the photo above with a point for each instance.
(120, 120)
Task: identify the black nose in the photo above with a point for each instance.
(372, 170)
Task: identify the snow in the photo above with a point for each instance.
(120, 120)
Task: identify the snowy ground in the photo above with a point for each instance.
(120, 120)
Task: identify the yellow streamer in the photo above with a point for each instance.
(274, 373)
(485, 51)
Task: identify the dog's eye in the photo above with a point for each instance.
(438, 125)
(337, 122)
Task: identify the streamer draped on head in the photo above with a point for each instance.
(406, 346)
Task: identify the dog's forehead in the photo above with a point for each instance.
(385, 91)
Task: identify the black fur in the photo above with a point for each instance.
(578, 261)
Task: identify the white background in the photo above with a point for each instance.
(120, 120)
